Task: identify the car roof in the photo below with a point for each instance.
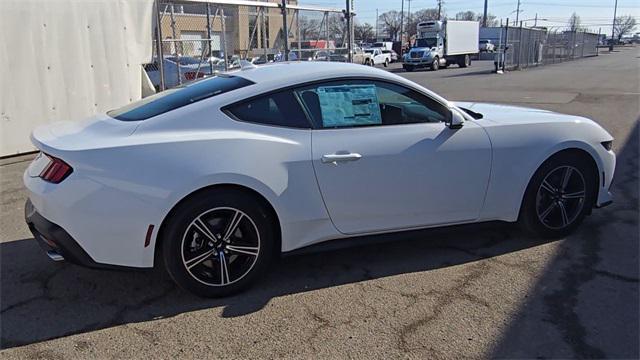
(285, 74)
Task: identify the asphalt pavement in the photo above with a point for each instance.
(472, 291)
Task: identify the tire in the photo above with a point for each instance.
(236, 258)
(465, 61)
(435, 65)
(553, 208)
(386, 62)
(408, 68)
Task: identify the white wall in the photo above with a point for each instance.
(68, 59)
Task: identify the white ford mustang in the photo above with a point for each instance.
(215, 178)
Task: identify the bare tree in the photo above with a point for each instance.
(363, 32)
(466, 15)
(309, 28)
(574, 22)
(337, 28)
(624, 25)
(492, 20)
(391, 23)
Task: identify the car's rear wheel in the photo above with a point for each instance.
(386, 62)
(218, 243)
(559, 196)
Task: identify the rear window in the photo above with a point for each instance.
(178, 97)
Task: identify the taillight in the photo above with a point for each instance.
(56, 171)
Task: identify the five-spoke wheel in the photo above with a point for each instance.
(559, 195)
(218, 242)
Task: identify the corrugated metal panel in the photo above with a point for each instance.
(68, 59)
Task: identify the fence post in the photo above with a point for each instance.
(209, 36)
(506, 43)
(160, 56)
(326, 26)
(285, 30)
(584, 34)
(598, 42)
(264, 34)
(298, 35)
(555, 38)
(175, 44)
(520, 45)
(350, 32)
(223, 39)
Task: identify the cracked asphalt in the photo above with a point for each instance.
(475, 291)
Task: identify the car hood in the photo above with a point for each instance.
(513, 115)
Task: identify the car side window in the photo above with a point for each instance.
(352, 103)
(277, 109)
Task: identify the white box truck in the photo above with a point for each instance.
(442, 43)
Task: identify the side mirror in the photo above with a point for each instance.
(456, 120)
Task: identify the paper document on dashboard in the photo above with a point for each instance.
(349, 105)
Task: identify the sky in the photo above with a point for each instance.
(594, 14)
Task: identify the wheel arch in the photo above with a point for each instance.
(578, 151)
(220, 187)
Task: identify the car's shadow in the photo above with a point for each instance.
(43, 300)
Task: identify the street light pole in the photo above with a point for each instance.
(518, 12)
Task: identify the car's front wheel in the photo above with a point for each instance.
(559, 196)
(217, 243)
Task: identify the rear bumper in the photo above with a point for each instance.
(58, 244)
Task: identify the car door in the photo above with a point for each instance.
(385, 160)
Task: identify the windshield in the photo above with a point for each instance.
(426, 42)
(484, 41)
(171, 99)
(369, 51)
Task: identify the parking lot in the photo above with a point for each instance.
(469, 291)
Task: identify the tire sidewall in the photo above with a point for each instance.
(184, 215)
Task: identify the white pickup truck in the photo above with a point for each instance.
(379, 57)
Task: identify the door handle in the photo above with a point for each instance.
(335, 158)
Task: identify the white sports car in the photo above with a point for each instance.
(215, 178)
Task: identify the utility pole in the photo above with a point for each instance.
(518, 12)
(484, 16)
(613, 27)
(401, 22)
(439, 9)
(535, 23)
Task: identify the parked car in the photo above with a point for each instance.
(359, 56)
(392, 55)
(379, 57)
(214, 179)
(320, 55)
(487, 46)
(190, 69)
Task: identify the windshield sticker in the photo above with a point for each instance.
(349, 105)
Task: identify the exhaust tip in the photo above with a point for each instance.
(54, 255)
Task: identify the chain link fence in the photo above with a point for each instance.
(522, 47)
(196, 39)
